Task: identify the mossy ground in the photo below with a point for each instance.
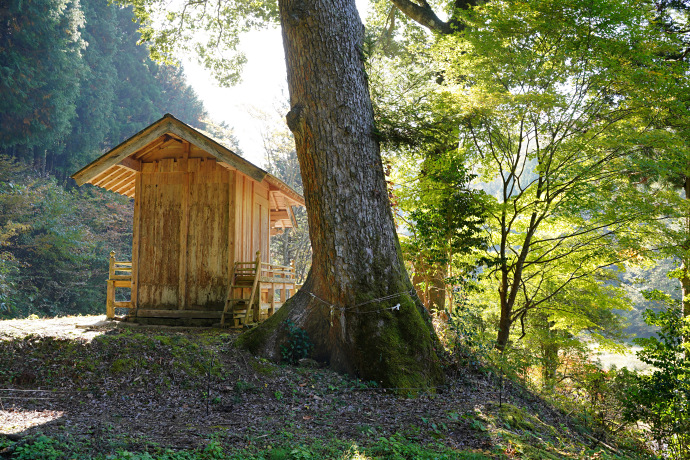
(171, 394)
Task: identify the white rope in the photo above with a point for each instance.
(333, 307)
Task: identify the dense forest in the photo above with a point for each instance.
(535, 157)
(74, 83)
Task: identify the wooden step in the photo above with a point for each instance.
(178, 314)
(244, 279)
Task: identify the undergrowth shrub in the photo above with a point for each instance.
(465, 333)
(297, 346)
(41, 448)
(661, 398)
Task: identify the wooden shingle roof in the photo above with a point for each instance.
(116, 169)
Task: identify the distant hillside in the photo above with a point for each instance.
(74, 82)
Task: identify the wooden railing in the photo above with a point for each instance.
(282, 276)
(252, 291)
(272, 279)
(119, 276)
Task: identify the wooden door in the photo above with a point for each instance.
(207, 241)
(161, 211)
(183, 236)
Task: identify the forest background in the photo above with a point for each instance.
(537, 162)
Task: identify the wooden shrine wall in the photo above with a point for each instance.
(183, 208)
(251, 219)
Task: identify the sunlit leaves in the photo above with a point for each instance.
(207, 29)
(555, 98)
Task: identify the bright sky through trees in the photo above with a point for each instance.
(263, 86)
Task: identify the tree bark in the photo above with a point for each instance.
(356, 255)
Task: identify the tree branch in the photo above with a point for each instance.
(425, 16)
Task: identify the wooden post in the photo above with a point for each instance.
(110, 293)
(232, 215)
(182, 167)
(272, 299)
(110, 300)
(257, 289)
(136, 235)
(254, 299)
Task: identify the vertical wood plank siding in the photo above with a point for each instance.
(184, 222)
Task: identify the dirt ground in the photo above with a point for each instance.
(85, 327)
(132, 386)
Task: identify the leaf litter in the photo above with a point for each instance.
(179, 388)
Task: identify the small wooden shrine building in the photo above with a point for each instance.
(202, 221)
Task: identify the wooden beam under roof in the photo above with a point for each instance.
(287, 191)
(217, 150)
(126, 179)
(103, 178)
(131, 163)
(115, 178)
(99, 178)
(153, 146)
(124, 186)
(131, 190)
(272, 195)
(125, 149)
(279, 214)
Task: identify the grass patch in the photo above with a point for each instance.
(395, 447)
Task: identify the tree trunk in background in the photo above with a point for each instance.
(285, 238)
(437, 295)
(356, 255)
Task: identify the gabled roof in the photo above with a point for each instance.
(116, 169)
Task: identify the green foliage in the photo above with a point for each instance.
(393, 447)
(75, 82)
(548, 102)
(445, 219)
(555, 225)
(40, 67)
(467, 333)
(297, 344)
(176, 30)
(441, 216)
(41, 448)
(55, 244)
(661, 398)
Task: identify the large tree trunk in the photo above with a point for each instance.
(356, 254)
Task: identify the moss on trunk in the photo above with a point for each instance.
(396, 348)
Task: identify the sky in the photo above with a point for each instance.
(264, 83)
